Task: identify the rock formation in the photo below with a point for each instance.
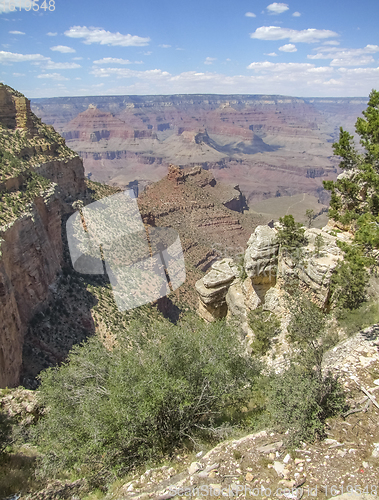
(267, 269)
(31, 245)
(265, 144)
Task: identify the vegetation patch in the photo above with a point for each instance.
(265, 326)
(159, 387)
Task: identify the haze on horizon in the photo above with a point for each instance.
(304, 49)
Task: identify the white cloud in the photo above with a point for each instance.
(52, 76)
(18, 74)
(305, 36)
(112, 60)
(66, 65)
(302, 79)
(272, 54)
(346, 57)
(62, 48)
(209, 60)
(279, 67)
(164, 46)
(148, 53)
(51, 34)
(250, 14)
(360, 71)
(277, 8)
(331, 42)
(128, 73)
(99, 35)
(296, 14)
(10, 57)
(289, 47)
(77, 58)
(17, 33)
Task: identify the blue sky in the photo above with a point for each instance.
(302, 48)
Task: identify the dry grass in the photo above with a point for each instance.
(17, 473)
(295, 205)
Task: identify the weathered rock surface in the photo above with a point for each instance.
(31, 246)
(31, 254)
(314, 269)
(261, 256)
(269, 269)
(213, 287)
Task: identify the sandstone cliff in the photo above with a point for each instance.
(262, 280)
(40, 178)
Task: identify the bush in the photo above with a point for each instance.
(291, 235)
(5, 433)
(350, 279)
(300, 400)
(265, 326)
(109, 410)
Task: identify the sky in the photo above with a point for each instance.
(307, 48)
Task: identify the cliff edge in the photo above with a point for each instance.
(39, 179)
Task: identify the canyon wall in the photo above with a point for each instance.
(269, 145)
(30, 258)
(31, 246)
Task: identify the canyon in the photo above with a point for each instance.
(271, 146)
(197, 162)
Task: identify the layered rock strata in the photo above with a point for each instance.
(31, 247)
(226, 291)
(30, 258)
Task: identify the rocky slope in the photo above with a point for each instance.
(40, 178)
(191, 202)
(266, 144)
(258, 465)
(207, 215)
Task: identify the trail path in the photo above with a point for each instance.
(301, 201)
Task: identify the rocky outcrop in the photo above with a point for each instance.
(269, 269)
(30, 258)
(14, 109)
(261, 259)
(68, 174)
(315, 268)
(213, 287)
(31, 246)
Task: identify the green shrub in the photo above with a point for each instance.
(265, 326)
(319, 244)
(5, 433)
(350, 278)
(109, 410)
(291, 234)
(300, 400)
(308, 332)
(352, 321)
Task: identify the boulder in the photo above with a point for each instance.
(261, 256)
(237, 308)
(222, 272)
(213, 287)
(272, 301)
